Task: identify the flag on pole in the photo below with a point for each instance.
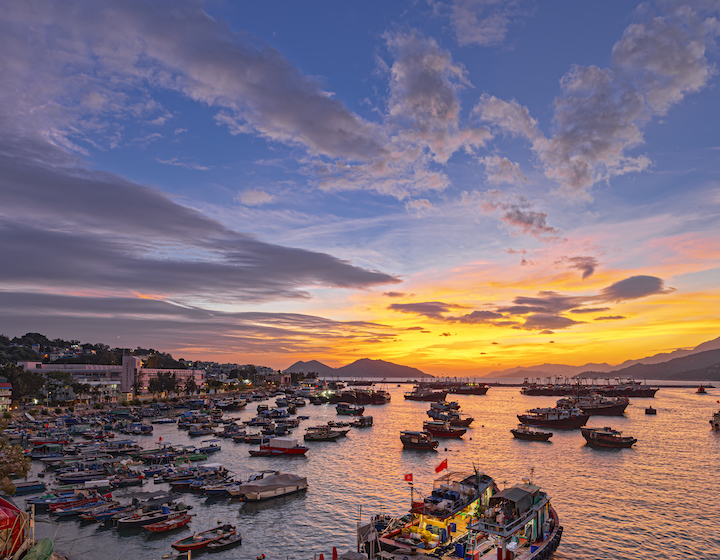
(408, 478)
(442, 466)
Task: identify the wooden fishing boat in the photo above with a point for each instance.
(524, 432)
(607, 437)
(170, 524)
(418, 440)
(225, 543)
(201, 540)
(442, 429)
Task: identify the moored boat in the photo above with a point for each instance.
(650, 410)
(596, 404)
(418, 440)
(524, 432)
(607, 437)
(715, 421)
(443, 429)
(349, 409)
(272, 486)
(170, 524)
(565, 418)
(425, 395)
(225, 543)
(201, 540)
(701, 390)
(279, 446)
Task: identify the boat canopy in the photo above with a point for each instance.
(521, 497)
(274, 482)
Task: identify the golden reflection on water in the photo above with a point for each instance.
(658, 499)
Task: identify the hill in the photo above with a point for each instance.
(364, 367)
(313, 366)
(561, 370)
(678, 368)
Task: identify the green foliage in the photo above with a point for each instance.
(58, 411)
(71, 409)
(7, 414)
(161, 360)
(12, 463)
(99, 406)
(25, 384)
(123, 403)
(136, 402)
(44, 411)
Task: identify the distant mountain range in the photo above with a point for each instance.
(699, 363)
(362, 368)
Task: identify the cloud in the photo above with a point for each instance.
(634, 287)
(478, 317)
(516, 212)
(185, 164)
(502, 170)
(600, 112)
(419, 204)
(68, 228)
(128, 322)
(255, 197)
(609, 318)
(540, 321)
(481, 22)
(394, 294)
(589, 310)
(430, 309)
(585, 264)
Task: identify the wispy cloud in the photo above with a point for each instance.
(482, 22)
(186, 164)
(254, 197)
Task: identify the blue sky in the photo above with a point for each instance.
(266, 182)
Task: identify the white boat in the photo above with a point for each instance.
(270, 486)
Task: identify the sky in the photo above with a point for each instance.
(461, 186)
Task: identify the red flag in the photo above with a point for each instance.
(441, 466)
(408, 478)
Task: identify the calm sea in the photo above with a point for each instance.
(659, 500)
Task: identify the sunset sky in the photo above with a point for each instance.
(461, 187)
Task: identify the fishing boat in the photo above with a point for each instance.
(607, 437)
(518, 522)
(701, 390)
(565, 418)
(142, 518)
(349, 409)
(650, 410)
(201, 540)
(279, 446)
(596, 404)
(425, 395)
(470, 389)
(453, 417)
(225, 543)
(418, 440)
(524, 432)
(170, 524)
(715, 421)
(432, 522)
(443, 429)
(363, 422)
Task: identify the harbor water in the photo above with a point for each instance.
(659, 499)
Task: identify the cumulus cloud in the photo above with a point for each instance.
(585, 264)
(502, 170)
(254, 197)
(481, 22)
(516, 212)
(600, 112)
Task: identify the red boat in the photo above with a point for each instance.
(173, 523)
(279, 446)
(201, 540)
(442, 429)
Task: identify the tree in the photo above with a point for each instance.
(155, 385)
(12, 463)
(190, 385)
